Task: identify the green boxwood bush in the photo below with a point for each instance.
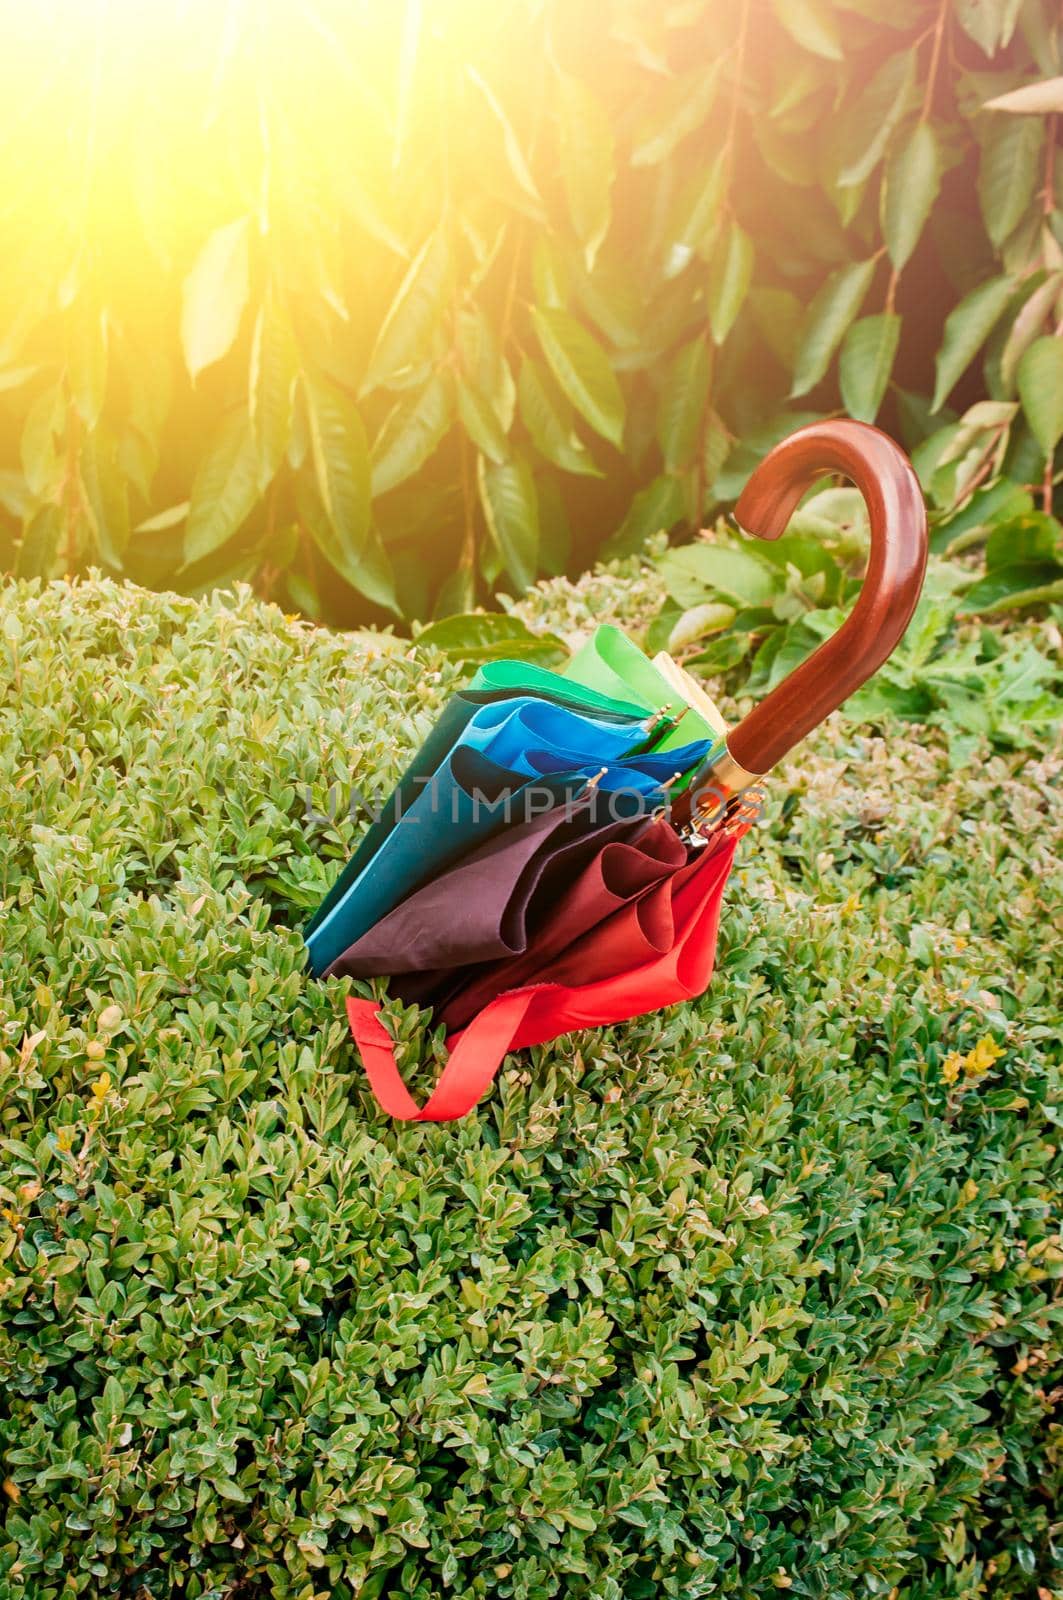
(757, 1294)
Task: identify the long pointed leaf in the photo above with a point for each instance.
(582, 368)
(225, 490)
(511, 511)
(967, 328)
(214, 296)
(341, 460)
(829, 316)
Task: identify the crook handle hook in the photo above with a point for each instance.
(885, 478)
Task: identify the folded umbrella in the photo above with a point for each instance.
(657, 945)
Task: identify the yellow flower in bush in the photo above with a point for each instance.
(981, 1058)
(952, 1066)
(974, 1064)
(100, 1090)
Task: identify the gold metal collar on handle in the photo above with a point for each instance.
(715, 798)
(726, 773)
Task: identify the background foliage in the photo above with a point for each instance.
(382, 307)
(758, 1294)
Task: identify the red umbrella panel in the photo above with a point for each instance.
(575, 903)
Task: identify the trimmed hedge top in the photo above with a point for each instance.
(750, 1295)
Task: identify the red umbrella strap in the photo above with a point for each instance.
(471, 1065)
(545, 1010)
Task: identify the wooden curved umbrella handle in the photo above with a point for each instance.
(885, 478)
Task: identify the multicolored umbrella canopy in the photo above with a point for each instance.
(556, 855)
(549, 725)
(510, 758)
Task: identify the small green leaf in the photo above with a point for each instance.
(729, 279)
(967, 327)
(582, 369)
(695, 215)
(41, 463)
(909, 189)
(550, 420)
(106, 489)
(1009, 173)
(681, 407)
(700, 573)
(484, 367)
(990, 23)
(721, 654)
(1029, 321)
(366, 568)
(829, 316)
(112, 1401)
(812, 24)
(225, 489)
(1040, 380)
(164, 519)
(712, 616)
(551, 274)
(341, 460)
(1033, 99)
(1031, 538)
(1000, 502)
(866, 363)
(410, 434)
(511, 511)
(214, 295)
(585, 146)
(1013, 588)
(478, 636)
(229, 1489)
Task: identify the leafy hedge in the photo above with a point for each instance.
(734, 604)
(758, 1294)
(382, 307)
